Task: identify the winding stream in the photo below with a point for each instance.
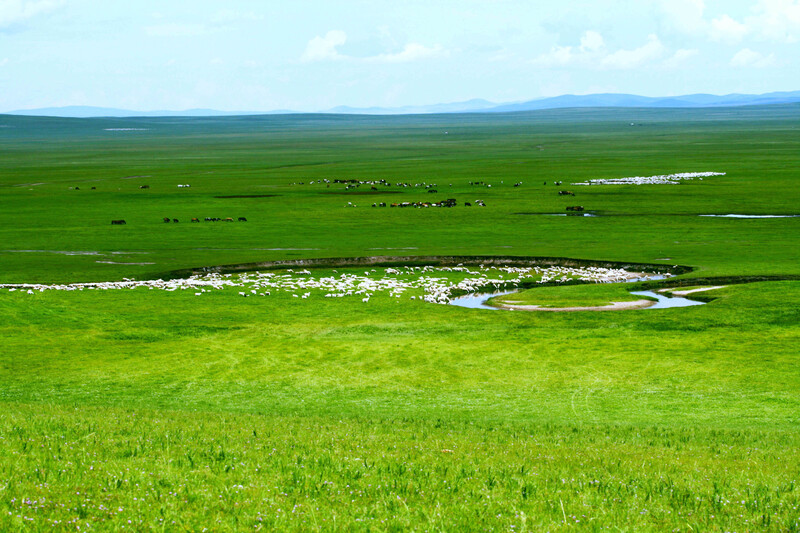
(478, 300)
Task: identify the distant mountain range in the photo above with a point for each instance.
(470, 106)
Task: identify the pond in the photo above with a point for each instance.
(478, 300)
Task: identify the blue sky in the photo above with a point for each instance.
(312, 55)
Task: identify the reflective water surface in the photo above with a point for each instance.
(478, 300)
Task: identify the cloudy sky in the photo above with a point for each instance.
(310, 55)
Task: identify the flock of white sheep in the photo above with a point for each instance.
(666, 179)
(431, 284)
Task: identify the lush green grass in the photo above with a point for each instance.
(174, 471)
(277, 412)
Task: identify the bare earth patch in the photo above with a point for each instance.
(690, 291)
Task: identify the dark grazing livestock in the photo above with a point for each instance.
(195, 220)
(575, 208)
(175, 220)
(166, 220)
(242, 219)
(117, 222)
(566, 193)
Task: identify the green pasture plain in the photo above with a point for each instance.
(263, 156)
(165, 411)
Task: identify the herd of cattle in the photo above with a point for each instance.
(450, 202)
(207, 219)
(354, 183)
(167, 220)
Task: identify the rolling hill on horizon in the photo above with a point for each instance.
(477, 105)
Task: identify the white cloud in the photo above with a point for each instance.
(411, 52)
(630, 59)
(176, 30)
(226, 16)
(16, 11)
(725, 29)
(559, 56)
(685, 15)
(324, 48)
(591, 47)
(777, 20)
(772, 20)
(591, 41)
(592, 53)
(748, 58)
(680, 57)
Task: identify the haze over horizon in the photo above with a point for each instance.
(312, 56)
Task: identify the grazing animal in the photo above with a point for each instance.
(432, 190)
(144, 186)
(195, 220)
(93, 188)
(117, 222)
(242, 219)
(566, 193)
(467, 204)
(166, 219)
(575, 208)
(229, 219)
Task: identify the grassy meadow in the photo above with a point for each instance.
(153, 410)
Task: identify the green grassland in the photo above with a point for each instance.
(166, 411)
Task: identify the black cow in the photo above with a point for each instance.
(242, 219)
(166, 220)
(575, 208)
(117, 222)
(175, 220)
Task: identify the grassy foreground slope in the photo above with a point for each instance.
(152, 410)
